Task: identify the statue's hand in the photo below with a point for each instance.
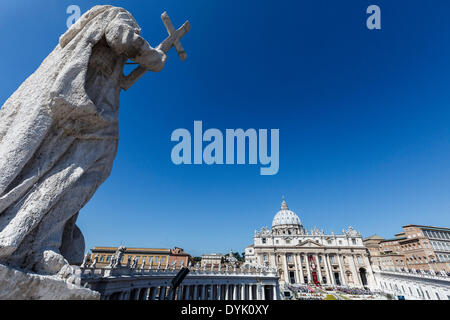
(152, 59)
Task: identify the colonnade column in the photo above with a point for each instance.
(250, 292)
(242, 292)
(235, 292)
(195, 292)
(211, 292)
(187, 292)
(219, 292)
(227, 292)
(203, 292)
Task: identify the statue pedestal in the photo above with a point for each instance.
(19, 285)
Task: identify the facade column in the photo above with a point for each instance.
(357, 281)
(242, 292)
(275, 292)
(273, 259)
(250, 292)
(327, 270)
(318, 269)
(308, 270)
(372, 281)
(263, 293)
(302, 276)
(297, 274)
(286, 273)
(341, 270)
(219, 292)
(235, 292)
(195, 293)
(333, 280)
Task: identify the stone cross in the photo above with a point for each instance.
(172, 40)
(171, 30)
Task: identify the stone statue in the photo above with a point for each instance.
(94, 264)
(116, 259)
(143, 264)
(135, 262)
(128, 262)
(86, 260)
(150, 263)
(59, 135)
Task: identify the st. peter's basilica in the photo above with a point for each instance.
(304, 256)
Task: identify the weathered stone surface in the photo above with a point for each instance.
(18, 285)
(58, 138)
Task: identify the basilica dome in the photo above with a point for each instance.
(285, 217)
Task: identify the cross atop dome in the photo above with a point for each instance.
(284, 204)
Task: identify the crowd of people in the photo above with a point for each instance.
(310, 292)
(353, 291)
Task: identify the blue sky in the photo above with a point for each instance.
(363, 117)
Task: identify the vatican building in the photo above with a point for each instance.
(304, 256)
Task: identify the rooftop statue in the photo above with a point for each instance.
(59, 134)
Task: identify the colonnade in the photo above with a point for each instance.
(237, 291)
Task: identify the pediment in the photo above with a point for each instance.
(309, 244)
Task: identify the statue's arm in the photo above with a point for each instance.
(122, 35)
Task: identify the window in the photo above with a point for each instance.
(263, 240)
(353, 241)
(289, 258)
(288, 241)
(265, 257)
(163, 259)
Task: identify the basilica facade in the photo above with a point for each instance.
(303, 256)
